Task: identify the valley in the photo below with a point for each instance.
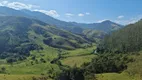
(38, 44)
(35, 67)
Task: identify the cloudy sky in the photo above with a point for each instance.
(83, 11)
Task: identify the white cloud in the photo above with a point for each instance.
(2, 3)
(124, 21)
(83, 14)
(100, 21)
(120, 17)
(129, 21)
(134, 20)
(19, 6)
(87, 13)
(69, 14)
(52, 13)
(80, 15)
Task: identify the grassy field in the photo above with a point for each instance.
(80, 51)
(78, 57)
(117, 76)
(17, 77)
(114, 76)
(77, 60)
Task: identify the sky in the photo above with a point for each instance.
(83, 11)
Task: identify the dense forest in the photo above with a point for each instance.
(127, 39)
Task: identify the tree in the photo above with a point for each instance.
(3, 69)
(10, 60)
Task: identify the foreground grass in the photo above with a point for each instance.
(115, 76)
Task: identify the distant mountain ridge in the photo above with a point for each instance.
(106, 26)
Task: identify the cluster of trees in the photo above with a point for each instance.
(71, 74)
(108, 63)
(19, 53)
(76, 74)
(128, 39)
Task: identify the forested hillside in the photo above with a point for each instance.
(128, 39)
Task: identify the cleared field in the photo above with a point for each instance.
(80, 51)
(78, 57)
(77, 60)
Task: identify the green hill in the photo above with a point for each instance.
(20, 35)
(93, 35)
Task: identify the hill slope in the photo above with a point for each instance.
(20, 35)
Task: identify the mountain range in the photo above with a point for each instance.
(106, 26)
